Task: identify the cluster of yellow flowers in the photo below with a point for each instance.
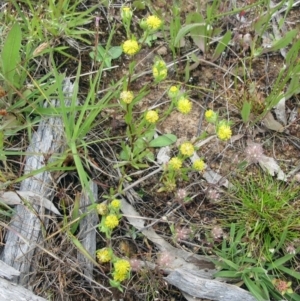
(121, 270)
(184, 105)
(110, 216)
(224, 132)
(150, 24)
(159, 70)
(223, 129)
(186, 149)
(122, 267)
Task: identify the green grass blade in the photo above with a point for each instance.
(223, 43)
(10, 55)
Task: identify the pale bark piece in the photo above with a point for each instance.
(25, 226)
(272, 124)
(13, 198)
(12, 292)
(7, 271)
(270, 165)
(188, 282)
(202, 265)
(88, 230)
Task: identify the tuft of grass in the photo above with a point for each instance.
(263, 236)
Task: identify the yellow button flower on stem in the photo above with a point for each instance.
(199, 165)
(116, 204)
(153, 22)
(187, 149)
(103, 255)
(131, 47)
(122, 268)
(151, 116)
(111, 221)
(127, 96)
(173, 92)
(102, 209)
(184, 106)
(175, 163)
(224, 132)
(211, 116)
(126, 13)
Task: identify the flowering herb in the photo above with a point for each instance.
(130, 47)
(151, 116)
(184, 105)
(224, 132)
(187, 149)
(104, 255)
(175, 163)
(127, 96)
(153, 23)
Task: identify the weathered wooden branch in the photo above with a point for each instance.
(198, 287)
(10, 291)
(87, 235)
(25, 227)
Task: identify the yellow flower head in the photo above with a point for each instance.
(126, 13)
(127, 96)
(103, 255)
(120, 277)
(211, 116)
(122, 266)
(102, 209)
(187, 149)
(161, 73)
(153, 22)
(131, 47)
(151, 116)
(199, 165)
(224, 132)
(173, 92)
(159, 70)
(116, 204)
(111, 221)
(122, 269)
(184, 106)
(175, 163)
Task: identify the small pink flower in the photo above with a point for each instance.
(213, 194)
(165, 259)
(217, 232)
(182, 233)
(253, 152)
(181, 194)
(135, 264)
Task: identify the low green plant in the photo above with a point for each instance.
(263, 237)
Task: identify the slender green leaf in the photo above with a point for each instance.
(186, 29)
(283, 42)
(279, 262)
(10, 55)
(245, 112)
(223, 43)
(290, 272)
(163, 140)
(254, 289)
